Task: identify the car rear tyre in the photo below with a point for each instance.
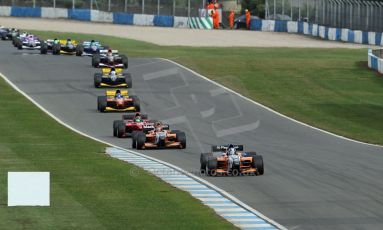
(258, 164)
(212, 166)
(203, 161)
(181, 137)
(124, 59)
(128, 80)
(101, 103)
(121, 129)
(79, 50)
(95, 60)
(136, 103)
(134, 139)
(97, 80)
(56, 49)
(43, 48)
(141, 139)
(115, 125)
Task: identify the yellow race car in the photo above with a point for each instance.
(118, 101)
(112, 77)
(68, 46)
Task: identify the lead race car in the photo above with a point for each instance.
(231, 160)
(109, 59)
(118, 101)
(112, 77)
(158, 137)
(133, 122)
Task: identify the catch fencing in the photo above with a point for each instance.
(351, 14)
(185, 8)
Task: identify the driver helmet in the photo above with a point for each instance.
(158, 127)
(138, 119)
(112, 72)
(118, 93)
(231, 150)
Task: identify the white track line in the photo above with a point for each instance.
(267, 108)
(224, 193)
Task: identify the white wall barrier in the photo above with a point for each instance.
(375, 60)
(101, 16)
(358, 36)
(47, 12)
(380, 66)
(344, 36)
(268, 25)
(332, 34)
(143, 20)
(315, 30)
(371, 38)
(5, 11)
(306, 28)
(292, 27)
(181, 22)
(322, 31)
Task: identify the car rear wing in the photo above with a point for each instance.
(87, 43)
(106, 51)
(112, 93)
(220, 148)
(107, 70)
(63, 42)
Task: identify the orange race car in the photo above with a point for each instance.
(159, 137)
(231, 160)
(118, 101)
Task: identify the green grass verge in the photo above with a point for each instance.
(88, 189)
(332, 89)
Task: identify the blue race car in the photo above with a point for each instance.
(92, 47)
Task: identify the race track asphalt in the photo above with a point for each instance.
(312, 180)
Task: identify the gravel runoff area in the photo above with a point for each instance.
(177, 36)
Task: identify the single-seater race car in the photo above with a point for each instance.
(111, 77)
(118, 101)
(158, 138)
(133, 122)
(8, 33)
(231, 160)
(18, 37)
(68, 46)
(47, 45)
(29, 41)
(109, 59)
(92, 47)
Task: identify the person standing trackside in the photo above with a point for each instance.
(215, 16)
(231, 19)
(247, 19)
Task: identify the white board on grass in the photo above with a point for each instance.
(28, 188)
